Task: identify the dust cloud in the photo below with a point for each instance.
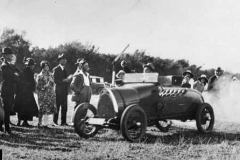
(225, 99)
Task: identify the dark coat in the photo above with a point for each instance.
(211, 82)
(25, 103)
(79, 91)
(61, 88)
(186, 85)
(9, 80)
(126, 69)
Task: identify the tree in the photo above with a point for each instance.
(18, 44)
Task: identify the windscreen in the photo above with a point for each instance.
(140, 78)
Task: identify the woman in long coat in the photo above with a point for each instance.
(46, 93)
(25, 104)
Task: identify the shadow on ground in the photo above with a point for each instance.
(66, 140)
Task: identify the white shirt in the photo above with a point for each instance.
(86, 78)
(61, 67)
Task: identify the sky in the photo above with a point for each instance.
(205, 32)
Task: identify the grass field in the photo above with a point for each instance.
(181, 142)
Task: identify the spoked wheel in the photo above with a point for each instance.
(205, 118)
(163, 125)
(133, 123)
(82, 113)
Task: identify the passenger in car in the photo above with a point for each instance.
(148, 68)
(120, 76)
(125, 67)
(200, 83)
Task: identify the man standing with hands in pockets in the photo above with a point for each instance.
(61, 80)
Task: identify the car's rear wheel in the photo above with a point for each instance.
(82, 113)
(205, 118)
(133, 123)
(163, 125)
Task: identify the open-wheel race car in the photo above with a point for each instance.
(144, 99)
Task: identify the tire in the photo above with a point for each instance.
(205, 118)
(82, 113)
(163, 125)
(133, 123)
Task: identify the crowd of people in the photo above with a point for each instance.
(18, 87)
(202, 81)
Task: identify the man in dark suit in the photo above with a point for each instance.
(61, 80)
(212, 80)
(9, 80)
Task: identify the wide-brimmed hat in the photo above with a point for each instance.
(219, 69)
(203, 76)
(150, 66)
(119, 73)
(61, 56)
(7, 50)
(82, 61)
(78, 61)
(188, 72)
(29, 61)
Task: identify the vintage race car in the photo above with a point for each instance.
(144, 99)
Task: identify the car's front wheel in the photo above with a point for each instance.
(205, 118)
(82, 113)
(133, 123)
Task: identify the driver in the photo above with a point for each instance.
(148, 68)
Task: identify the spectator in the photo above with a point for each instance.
(213, 79)
(74, 85)
(81, 84)
(187, 76)
(18, 72)
(61, 80)
(25, 104)
(185, 82)
(9, 79)
(200, 83)
(46, 95)
(79, 66)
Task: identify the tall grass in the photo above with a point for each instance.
(181, 142)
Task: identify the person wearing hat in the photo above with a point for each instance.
(81, 84)
(75, 96)
(148, 68)
(79, 66)
(200, 83)
(25, 104)
(125, 68)
(120, 76)
(61, 80)
(213, 79)
(187, 76)
(9, 79)
(46, 95)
